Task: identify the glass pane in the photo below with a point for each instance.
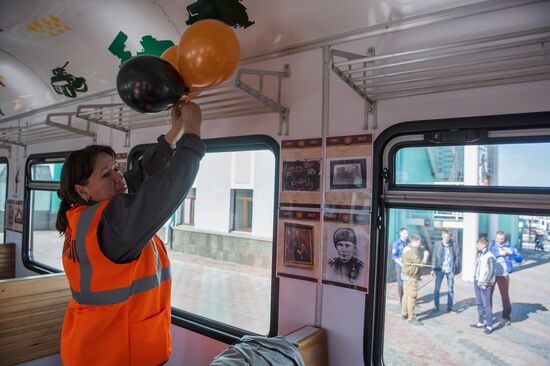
(242, 209)
(450, 328)
(3, 187)
(45, 243)
(48, 172)
(188, 208)
(505, 165)
(218, 273)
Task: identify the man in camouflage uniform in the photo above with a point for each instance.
(414, 258)
(346, 267)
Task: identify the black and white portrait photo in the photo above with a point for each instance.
(346, 254)
(301, 175)
(346, 174)
(298, 245)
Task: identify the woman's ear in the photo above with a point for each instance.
(82, 192)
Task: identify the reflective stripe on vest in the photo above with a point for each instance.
(108, 297)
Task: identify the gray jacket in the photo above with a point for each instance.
(260, 351)
(485, 268)
(156, 186)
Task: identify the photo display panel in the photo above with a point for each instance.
(298, 244)
(346, 249)
(301, 173)
(348, 172)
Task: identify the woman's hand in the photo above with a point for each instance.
(186, 117)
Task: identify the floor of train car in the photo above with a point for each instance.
(231, 293)
(446, 338)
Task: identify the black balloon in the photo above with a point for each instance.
(148, 84)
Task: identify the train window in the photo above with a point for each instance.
(45, 242)
(222, 245)
(449, 306)
(42, 244)
(46, 172)
(3, 194)
(465, 232)
(446, 165)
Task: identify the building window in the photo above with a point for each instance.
(241, 212)
(187, 209)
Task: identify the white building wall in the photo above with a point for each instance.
(213, 193)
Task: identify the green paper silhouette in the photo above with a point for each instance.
(67, 84)
(151, 46)
(117, 48)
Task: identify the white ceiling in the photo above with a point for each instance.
(28, 56)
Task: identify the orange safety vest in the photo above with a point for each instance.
(119, 314)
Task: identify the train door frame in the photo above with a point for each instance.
(512, 128)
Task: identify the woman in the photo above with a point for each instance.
(116, 265)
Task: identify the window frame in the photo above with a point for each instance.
(192, 198)
(246, 214)
(384, 182)
(4, 160)
(29, 186)
(210, 328)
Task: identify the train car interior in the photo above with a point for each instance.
(375, 188)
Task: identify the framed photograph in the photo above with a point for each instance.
(298, 245)
(301, 175)
(346, 254)
(348, 174)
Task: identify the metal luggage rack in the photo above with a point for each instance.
(487, 61)
(223, 101)
(53, 129)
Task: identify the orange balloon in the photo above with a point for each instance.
(208, 53)
(171, 55)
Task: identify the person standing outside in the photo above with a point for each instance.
(413, 258)
(397, 252)
(484, 282)
(504, 253)
(445, 262)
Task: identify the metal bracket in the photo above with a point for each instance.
(69, 126)
(258, 93)
(221, 101)
(96, 113)
(25, 134)
(359, 87)
(385, 175)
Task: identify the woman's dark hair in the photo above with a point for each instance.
(78, 167)
(344, 234)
